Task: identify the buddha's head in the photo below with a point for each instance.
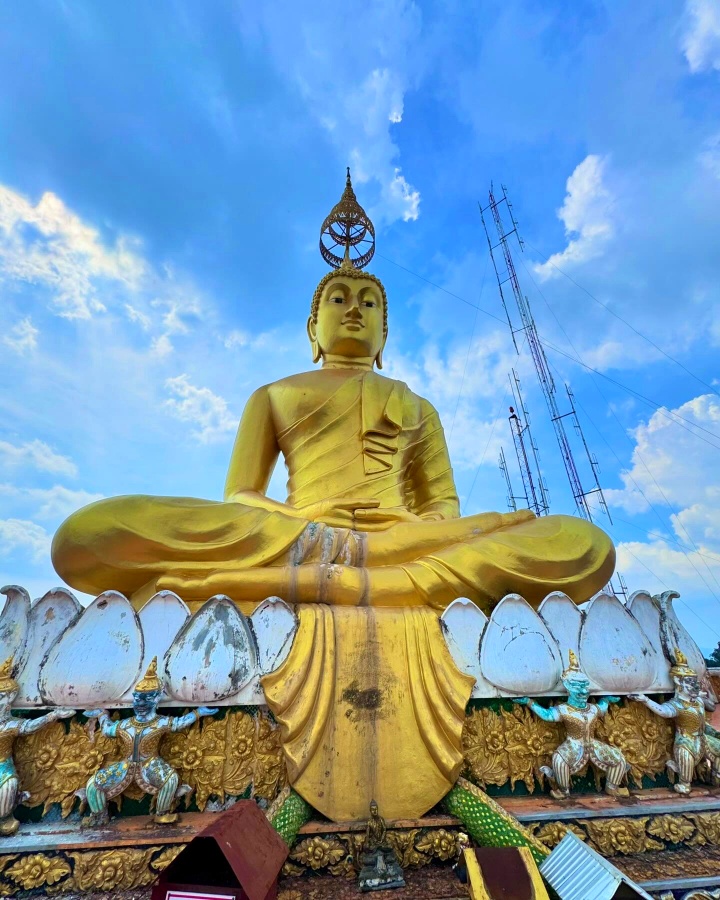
(348, 317)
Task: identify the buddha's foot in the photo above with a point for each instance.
(9, 825)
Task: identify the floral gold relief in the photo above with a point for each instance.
(645, 739)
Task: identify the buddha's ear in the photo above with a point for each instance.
(312, 334)
(378, 358)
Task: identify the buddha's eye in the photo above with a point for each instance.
(369, 303)
(337, 299)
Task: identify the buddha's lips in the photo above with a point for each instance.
(354, 325)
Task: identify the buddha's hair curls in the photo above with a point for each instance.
(348, 273)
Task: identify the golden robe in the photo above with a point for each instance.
(366, 436)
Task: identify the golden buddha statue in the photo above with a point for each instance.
(371, 524)
(372, 514)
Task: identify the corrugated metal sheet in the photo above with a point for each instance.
(576, 872)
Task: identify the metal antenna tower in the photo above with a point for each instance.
(505, 273)
(511, 498)
(536, 496)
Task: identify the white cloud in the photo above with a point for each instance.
(359, 100)
(587, 213)
(22, 337)
(701, 40)
(206, 411)
(48, 244)
(38, 455)
(56, 502)
(27, 538)
(670, 465)
(137, 315)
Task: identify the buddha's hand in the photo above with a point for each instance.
(382, 519)
(338, 512)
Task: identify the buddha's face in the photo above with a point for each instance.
(350, 319)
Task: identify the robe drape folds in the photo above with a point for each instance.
(371, 706)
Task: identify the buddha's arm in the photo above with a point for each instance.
(254, 456)
(433, 486)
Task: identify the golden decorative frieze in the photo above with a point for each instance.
(625, 836)
(118, 869)
(645, 739)
(218, 758)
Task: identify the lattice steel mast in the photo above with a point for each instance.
(506, 274)
(527, 453)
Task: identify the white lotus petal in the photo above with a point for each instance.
(517, 652)
(274, 624)
(647, 613)
(14, 625)
(564, 621)
(615, 653)
(49, 618)
(463, 624)
(97, 659)
(213, 656)
(161, 620)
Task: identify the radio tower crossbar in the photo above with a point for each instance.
(506, 274)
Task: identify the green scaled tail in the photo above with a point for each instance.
(488, 823)
(288, 814)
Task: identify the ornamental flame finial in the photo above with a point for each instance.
(150, 681)
(347, 230)
(7, 682)
(681, 669)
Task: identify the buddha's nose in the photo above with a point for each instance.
(354, 310)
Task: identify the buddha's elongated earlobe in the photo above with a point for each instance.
(312, 334)
(378, 360)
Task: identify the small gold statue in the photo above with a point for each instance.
(10, 729)
(697, 744)
(580, 747)
(381, 869)
(140, 736)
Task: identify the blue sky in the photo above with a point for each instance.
(164, 170)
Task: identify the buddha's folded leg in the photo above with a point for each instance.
(122, 543)
(533, 558)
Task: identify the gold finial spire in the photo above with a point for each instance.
(7, 682)
(150, 681)
(573, 671)
(348, 226)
